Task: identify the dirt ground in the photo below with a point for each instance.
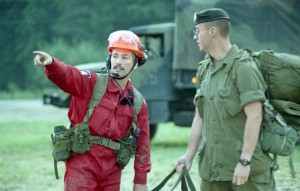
(23, 110)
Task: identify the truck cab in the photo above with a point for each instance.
(168, 91)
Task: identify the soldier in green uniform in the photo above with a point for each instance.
(226, 126)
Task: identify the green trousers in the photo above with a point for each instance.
(228, 186)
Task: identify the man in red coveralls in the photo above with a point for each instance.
(97, 169)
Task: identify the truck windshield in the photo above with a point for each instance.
(153, 44)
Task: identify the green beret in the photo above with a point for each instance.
(210, 15)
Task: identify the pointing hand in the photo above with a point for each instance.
(42, 58)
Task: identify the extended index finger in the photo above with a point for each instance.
(40, 53)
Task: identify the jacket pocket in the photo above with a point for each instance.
(228, 102)
(103, 111)
(204, 166)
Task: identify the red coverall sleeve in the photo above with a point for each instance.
(69, 79)
(142, 164)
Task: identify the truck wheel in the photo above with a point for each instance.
(153, 128)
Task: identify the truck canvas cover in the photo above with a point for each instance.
(256, 25)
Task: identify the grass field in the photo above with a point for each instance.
(26, 163)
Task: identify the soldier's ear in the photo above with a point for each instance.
(213, 30)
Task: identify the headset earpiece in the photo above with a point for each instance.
(108, 62)
(142, 61)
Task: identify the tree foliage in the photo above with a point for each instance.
(73, 31)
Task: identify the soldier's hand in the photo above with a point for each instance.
(42, 58)
(179, 167)
(183, 162)
(241, 174)
(140, 187)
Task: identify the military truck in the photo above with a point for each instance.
(168, 79)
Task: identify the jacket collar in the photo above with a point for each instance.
(113, 87)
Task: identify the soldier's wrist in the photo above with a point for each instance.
(244, 162)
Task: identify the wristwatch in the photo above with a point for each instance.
(244, 162)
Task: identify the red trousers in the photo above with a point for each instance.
(93, 171)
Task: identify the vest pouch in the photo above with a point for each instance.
(276, 136)
(127, 150)
(80, 139)
(61, 143)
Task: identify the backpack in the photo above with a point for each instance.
(281, 121)
(282, 75)
(78, 139)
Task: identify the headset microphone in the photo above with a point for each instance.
(114, 75)
(108, 68)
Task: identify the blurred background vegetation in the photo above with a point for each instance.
(73, 31)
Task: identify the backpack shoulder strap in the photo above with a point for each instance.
(138, 102)
(98, 92)
(241, 57)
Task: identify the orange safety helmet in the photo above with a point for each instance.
(125, 40)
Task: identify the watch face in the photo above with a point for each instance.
(244, 162)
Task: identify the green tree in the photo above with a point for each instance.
(46, 24)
